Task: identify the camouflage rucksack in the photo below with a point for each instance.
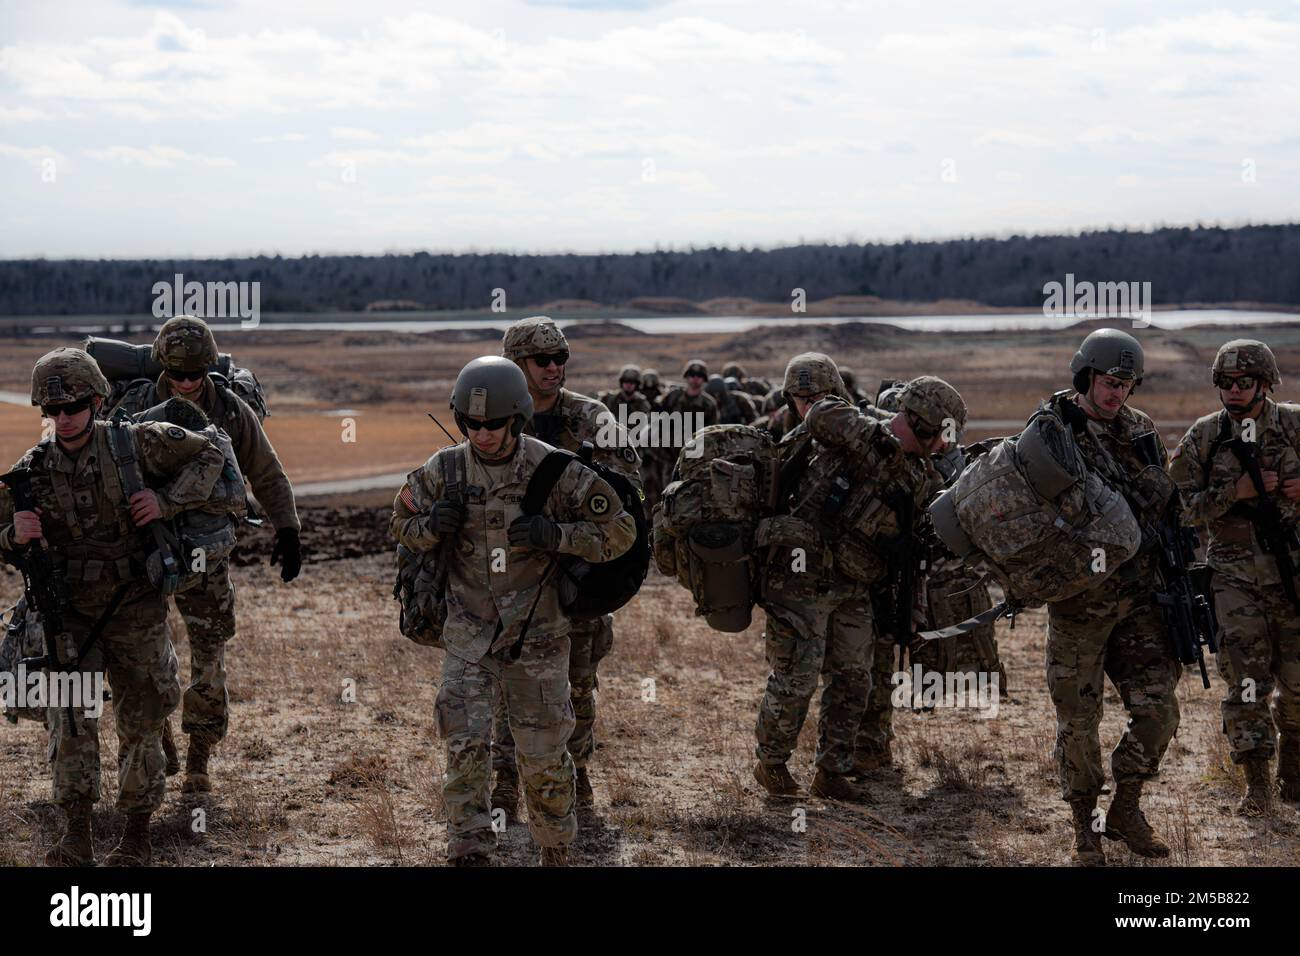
(23, 639)
(1030, 511)
(704, 524)
(421, 585)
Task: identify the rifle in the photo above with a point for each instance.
(1185, 598)
(1276, 536)
(44, 591)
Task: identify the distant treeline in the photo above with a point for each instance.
(1183, 265)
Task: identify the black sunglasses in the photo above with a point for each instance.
(180, 376)
(67, 408)
(551, 358)
(1243, 382)
(492, 424)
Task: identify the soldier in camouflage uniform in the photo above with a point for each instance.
(751, 386)
(185, 348)
(564, 419)
(650, 386)
(1114, 629)
(953, 593)
(628, 392)
(851, 385)
(734, 407)
(690, 400)
(1259, 651)
(93, 532)
(820, 569)
(488, 605)
(778, 417)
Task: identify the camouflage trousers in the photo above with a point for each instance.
(1111, 631)
(141, 667)
(539, 712)
(808, 636)
(208, 609)
(1259, 658)
(590, 641)
(876, 730)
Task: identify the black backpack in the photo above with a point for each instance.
(591, 590)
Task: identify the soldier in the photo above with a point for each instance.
(954, 593)
(650, 386)
(751, 386)
(1114, 629)
(1259, 652)
(734, 408)
(817, 598)
(488, 651)
(851, 385)
(93, 532)
(564, 419)
(185, 348)
(778, 417)
(628, 393)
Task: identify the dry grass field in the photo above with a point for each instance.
(307, 778)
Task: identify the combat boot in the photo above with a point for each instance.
(1288, 770)
(196, 765)
(505, 794)
(868, 761)
(76, 847)
(1087, 841)
(173, 765)
(1258, 801)
(1125, 821)
(839, 786)
(776, 780)
(555, 856)
(134, 848)
(584, 797)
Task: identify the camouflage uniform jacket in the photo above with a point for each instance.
(576, 418)
(865, 450)
(253, 450)
(87, 520)
(636, 402)
(676, 400)
(1209, 486)
(486, 608)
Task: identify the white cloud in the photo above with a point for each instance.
(280, 138)
(154, 157)
(21, 114)
(352, 133)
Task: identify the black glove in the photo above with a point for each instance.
(534, 531)
(447, 516)
(288, 551)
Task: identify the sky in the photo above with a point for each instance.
(223, 129)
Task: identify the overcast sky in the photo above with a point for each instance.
(212, 128)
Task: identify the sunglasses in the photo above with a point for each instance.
(696, 375)
(178, 376)
(921, 428)
(1243, 382)
(67, 408)
(492, 424)
(551, 358)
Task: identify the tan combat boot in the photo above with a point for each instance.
(1288, 769)
(196, 765)
(868, 761)
(135, 848)
(76, 847)
(1258, 801)
(1125, 821)
(555, 856)
(505, 794)
(1087, 841)
(839, 786)
(776, 780)
(584, 797)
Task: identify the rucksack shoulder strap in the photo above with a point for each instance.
(544, 478)
(453, 473)
(1224, 437)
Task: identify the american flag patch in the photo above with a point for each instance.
(407, 498)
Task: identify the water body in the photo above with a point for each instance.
(671, 324)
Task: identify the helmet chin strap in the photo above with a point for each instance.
(90, 424)
(1258, 399)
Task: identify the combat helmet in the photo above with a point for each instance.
(934, 402)
(535, 335)
(812, 373)
(696, 365)
(66, 375)
(1110, 352)
(650, 378)
(629, 373)
(734, 370)
(716, 385)
(1249, 357)
(492, 387)
(185, 344)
